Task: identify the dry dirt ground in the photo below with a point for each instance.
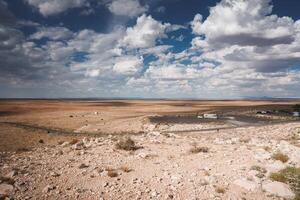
(74, 150)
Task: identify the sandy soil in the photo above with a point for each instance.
(68, 150)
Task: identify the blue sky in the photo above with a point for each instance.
(149, 49)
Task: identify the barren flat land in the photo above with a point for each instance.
(149, 149)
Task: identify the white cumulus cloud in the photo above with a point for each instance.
(145, 33)
(130, 8)
(128, 65)
(52, 7)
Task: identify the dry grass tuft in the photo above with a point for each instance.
(262, 171)
(74, 141)
(280, 156)
(23, 149)
(196, 149)
(267, 148)
(244, 140)
(127, 144)
(111, 172)
(220, 189)
(126, 169)
(290, 176)
(294, 139)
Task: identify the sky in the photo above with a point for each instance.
(200, 49)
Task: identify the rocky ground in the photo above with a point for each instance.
(226, 164)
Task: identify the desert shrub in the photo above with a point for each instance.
(294, 139)
(127, 144)
(41, 141)
(244, 140)
(290, 176)
(196, 149)
(220, 189)
(267, 148)
(280, 156)
(261, 171)
(23, 149)
(112, 174)
(74, 141)
(126, 169)
(296, 107)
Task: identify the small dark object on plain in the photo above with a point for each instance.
(41, 141)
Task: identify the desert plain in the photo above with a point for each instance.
(149, 149)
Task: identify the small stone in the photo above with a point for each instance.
(154, 194)
(64, 144)
(41, 141)
(48, 188)
(54, 174)
(11, 174)
(82, 166)
(105, 184)
(78, 146)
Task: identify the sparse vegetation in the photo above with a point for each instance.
(74, 141)
(280, 156)
(244, 140)
(294, 139)
(267, 148)
(112, 174)
(220, 190)
(261, 171)
(196, 149)
(290, 176)
(126, 169)
(41, 141)
(127, 144)
(296, 107)
(23, 149)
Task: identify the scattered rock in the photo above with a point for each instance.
(78, 146)
(279, 189)
(65, 144)
(11, 174)
(82, 165)
(54, 174)
(6, 190)
(48, 188)
(262, 155)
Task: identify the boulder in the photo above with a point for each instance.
(275, 166)
(262, 155)
(246, 184)
(278, 189)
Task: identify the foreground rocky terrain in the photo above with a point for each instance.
(236, 163)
